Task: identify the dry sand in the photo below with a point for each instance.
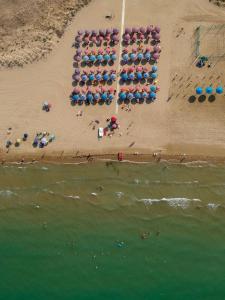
(171, 126)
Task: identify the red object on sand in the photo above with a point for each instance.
(113, 119)
(120, 156)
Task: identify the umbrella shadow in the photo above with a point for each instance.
(201, 98)
(119, 101)
(133, 101)
(191, 99)
(211, 98)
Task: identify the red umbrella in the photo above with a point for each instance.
(100, 51)
(111, 89)
(113, 119)
(131, 69)
(139, 68)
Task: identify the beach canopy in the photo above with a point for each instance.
(100, 57)
(147, 55)
(113, 57)
(82, 97)
(156, 55)
(133, 56)
(144, 95)
(86, 58)
(98, 77)
(125, 57)
(219, 90)
(106, 57)
(93, 58)
(199, 90)
(123, 96)
(89, 97)
(91, 77)
(209, 90)
(84, 77)
(111, 96)
(140, 56)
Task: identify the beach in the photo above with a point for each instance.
(172, 127)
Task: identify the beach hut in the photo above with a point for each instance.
(156, 37)
(75, 91)
(219, 90)
(157, 48)
(209, 90)
(134, 30)
(87, 32)
(123, 96)
(199, 90)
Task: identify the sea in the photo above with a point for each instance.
(112, 231)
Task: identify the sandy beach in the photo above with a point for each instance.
(178, 125)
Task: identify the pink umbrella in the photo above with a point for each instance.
(115, 38)
(100, 51)
(125, 50)
(80, 32)
(126, 37)
(93, 52)
(139, 68)
(157, 88)
(78, 39)
(148, 49)
(131, 69)
(109, 31)
(157, 29)
(86, 52)
(142, 37)
(113, 50)
(134, 49)
(142, 30)
(145, 69)
(157, 48)
(87, 32)
(79, 51)
(131, 89)
(128, 30)
(156, 37)
(107, 37)
(86, 39)
(98, 90)
(123, 89)
(76, 90)
(134, 30)
(111, 89)
(93, 39)
(101, 38)
(108, 50)
(155, 55)
(146, 88)
(104, 89)
(134, 38)
(124, 70)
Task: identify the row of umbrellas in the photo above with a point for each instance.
(138, 75)
(156, 48)
(102, 89)
(209, 90)
(107, 50)
(92, 97)
(104, 76)
(99, 58)
(140, 56)
(101, 32)
(133, 37)
(137, 95)
(149, 29)
(97, 38)
(141, 89)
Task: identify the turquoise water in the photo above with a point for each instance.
(112, 231)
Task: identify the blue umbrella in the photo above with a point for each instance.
(139, 75)
(84, 77)
(113, 76)
(100, 57)
(125, 57)
(114, 57)
(140, 56)
(89, 97)
(137, 95)
(154, 75)
(105, 77)
(219, 90)
(152, 88)
(124, 76)
(123, 96)
(146, 75)
(148, 56)
(82, 97)
(91, 77)
(209, 90)
(152, 95)
(130, 96)
(154, 68)
(76, 97)
(86, 58)
(131, 76)
(92, 58)
(133, 56)
(98, 77)
(199, 90)
(111, 97)
(144, 95)
(97, 96)
(107, 57)
(104, 96)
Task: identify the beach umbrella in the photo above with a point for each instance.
(157, 29)
(134, 30)
(93, 39)
(131, 69)
(156, 37)
(157, 88)
(111, 97)
(137, 95)
(103, 89)
(100, 58)
(157, 48)
(126, 37)
(87, 32)
(79, 52)
(149, 29)
(154, 75)
(104, 96)
(153, 88)
(76, 97)
(209, 90)
(85, 58)
(76, 77)
(100, 51)
(89, 97)
(98, 77)
(80, 32)
(113, 50)
(199, 90)
(94, 32)
(124, 76)
(140, 56)
(101, 31)
(83, 97)
(139, 69)
(125, 50)
(144, 95)
(154, 68)
(125, 57)
(113, 76)
(91, 77)
(155, 55)
(92, 58)
(115, 38)
(100, 38)
(115, 31)
(113, 56)
(109, 31)
(106, 57)
(139, 75)
(152, 95)
(219, 90)
(108, 50)
(78, 39)
(98, 90)
(86, 40)
(131, 76)
(96, 96)
(142, 37)
(84, 77)
(134, 37)
(123, 96)
(106, 77)
(133, 56)
(142, 30)
(134, 50)
(77, 71)
(128, 31)
(108, 37)
(130, 96)
(145, 88)
(77, 58)
(146, 75)
(75, 91)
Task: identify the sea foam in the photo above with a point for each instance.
(173, 202)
